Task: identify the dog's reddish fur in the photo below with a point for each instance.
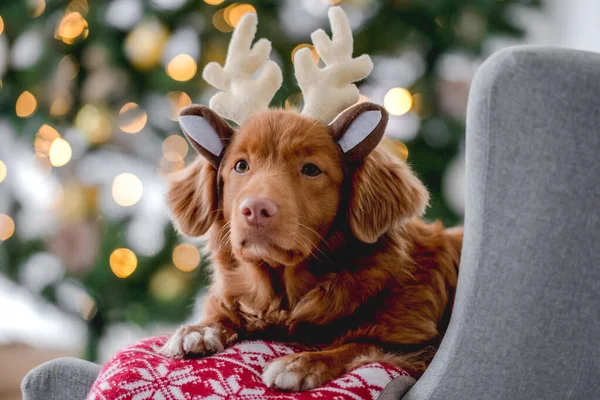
(354, 274)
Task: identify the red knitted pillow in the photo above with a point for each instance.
(139, 372)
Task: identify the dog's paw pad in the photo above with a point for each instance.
(193, 339)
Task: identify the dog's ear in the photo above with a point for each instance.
(206, 131)
(385, 192)
(192, 198)
(359, 129)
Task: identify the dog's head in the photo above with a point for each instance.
(279, 181)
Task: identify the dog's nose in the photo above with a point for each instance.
(259, 211)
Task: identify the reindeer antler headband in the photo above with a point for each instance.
(249, 80)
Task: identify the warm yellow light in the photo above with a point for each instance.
(60, 152)
(38, 8)
(167, 284)
(94, 123)
(127, 189)
(44, 138)
(26, 104)
(60, 106)
(174, 148)
(132, 118)
(145, 44)
(397, 101)
(214, 2)
(3, 171)
(123, 262)
(7, 227)
(178, 101)
(186, 257)
(80, 6)
(234, 13)
(1, 25)
(182, 68)
(218, 20)
(396, 147)
(70, 27)
(315, 55)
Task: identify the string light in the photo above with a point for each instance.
(44, 138)
(123, 262)
(315, 55)
(60, 152)
(397, 101)
(186, 257)
(7, 227)
(3, 171)
(61, 105)
(174, 148)
(1, 25)
(94, 123)
(71, 27)
(167, 284)
(127, 189)
(214, 2)
(26, 104)
(132, 118)
(182, 68)
(234, 13)
(38, 8)
(178, 100)
(218, 20)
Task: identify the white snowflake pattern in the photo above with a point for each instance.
(160, 384)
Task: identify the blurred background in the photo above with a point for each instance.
(89, 94)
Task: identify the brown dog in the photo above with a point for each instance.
(316, 239)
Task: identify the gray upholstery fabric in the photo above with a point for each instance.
(60, 379)
(397, 388)
(526, 321)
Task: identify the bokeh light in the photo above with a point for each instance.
(1, 25)
(3, 171)
(218, 20)
(396, 147)
(174, 148)
(61, 105)
(123, 262)
(44, 138)
(398, 101)
(315, 55)
(234, 13)
(38, 7)
(178, 101)
(186, 257)
(60, 152)
(145, 44)
(70, 27)
(132, 118)
(182, 68)
(94, 122)
(214, 2)
(26, 104)
(167, 284)
(7, 227)
(127, 189)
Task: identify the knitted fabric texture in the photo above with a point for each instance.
(139, 372)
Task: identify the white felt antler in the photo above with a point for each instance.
(328, 91)
(243, 94)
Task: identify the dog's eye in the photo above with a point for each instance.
(311, 170)
(241, 167)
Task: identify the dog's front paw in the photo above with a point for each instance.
(196, 339)
(295, 372)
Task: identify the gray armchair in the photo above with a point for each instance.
(526, 320)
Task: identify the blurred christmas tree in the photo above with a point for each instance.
(89, 98)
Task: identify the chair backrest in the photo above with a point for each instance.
(526, 320)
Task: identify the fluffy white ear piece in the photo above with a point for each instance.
(202, 133)
(244, 94)
(328, 91)
(206, 131)
(359, 129)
